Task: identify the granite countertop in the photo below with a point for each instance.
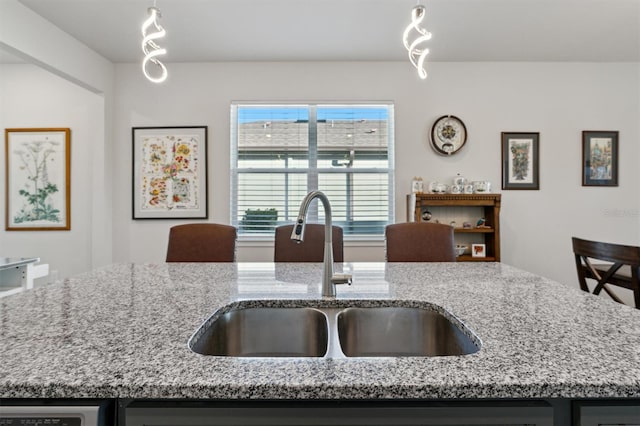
(122, 331)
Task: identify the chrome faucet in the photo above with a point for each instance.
(329, 279)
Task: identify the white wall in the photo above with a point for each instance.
(559, 100)
(35, 98)
(27, 35)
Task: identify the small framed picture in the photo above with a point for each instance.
(599, 158)
(417, 185)
(520, 160)
(478, 250)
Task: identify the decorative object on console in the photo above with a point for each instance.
(520, 160)
(482, 223)
(417, 53)
(458, 184)
(149, 46)
(459, 180)
(599, 158)
(448, 135)
(417, 185)
(38, 179)
(170, 172)
(481, 186)
(438, 187)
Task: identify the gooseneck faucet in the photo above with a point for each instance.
(329, 280)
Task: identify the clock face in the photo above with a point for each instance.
(448, 135)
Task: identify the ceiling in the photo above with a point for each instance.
(355, 30)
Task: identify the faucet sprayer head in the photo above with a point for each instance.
(298, 230)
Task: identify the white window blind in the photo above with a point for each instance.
(281, 152)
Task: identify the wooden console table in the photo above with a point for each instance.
(456, 209)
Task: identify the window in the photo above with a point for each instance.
(281, 152)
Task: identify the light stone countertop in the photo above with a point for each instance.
(122, 331)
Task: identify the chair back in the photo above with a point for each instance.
(609, 265)
(202, 242)
(309, 250)
(419, 242)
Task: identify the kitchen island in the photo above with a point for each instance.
(122, 331)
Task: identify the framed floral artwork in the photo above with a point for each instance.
(38, 179)
(170, 172)
(520, 160)
(599, 158)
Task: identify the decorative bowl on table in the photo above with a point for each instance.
(481, 186)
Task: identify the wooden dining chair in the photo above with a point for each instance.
(419, 242)
(309, 250)
(202, 242)
(609, 265)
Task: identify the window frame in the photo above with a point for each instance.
(313, 153)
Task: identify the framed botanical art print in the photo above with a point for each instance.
(520, 160)
(170, 172)
(38, 179)
(599, 158)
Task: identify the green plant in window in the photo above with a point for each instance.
(259, 220)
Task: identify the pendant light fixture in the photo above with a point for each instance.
(417, 52)
(152, 31)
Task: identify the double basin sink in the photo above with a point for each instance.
(259, 329)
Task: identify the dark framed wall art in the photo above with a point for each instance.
(170, 172)
(38, 179)
(520, 160)
(599, 158)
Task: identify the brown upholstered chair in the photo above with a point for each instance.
(202, 242)
(309, 250)
(622, 267)
(420, 242)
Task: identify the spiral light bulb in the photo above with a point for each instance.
(417, 53)
(150, 48)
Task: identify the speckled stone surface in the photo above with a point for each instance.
(122, 331)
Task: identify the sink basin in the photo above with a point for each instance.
(387, 330)
(265, 332)
(400, 331)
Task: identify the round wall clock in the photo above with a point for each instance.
(448, 135)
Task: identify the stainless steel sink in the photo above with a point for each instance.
(333, 332)
(400, 331)
(265, 332)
